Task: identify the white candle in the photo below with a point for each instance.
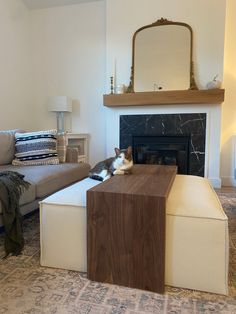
(114, 75)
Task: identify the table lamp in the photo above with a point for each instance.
(60, 105)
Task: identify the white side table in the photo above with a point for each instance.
(81, 142)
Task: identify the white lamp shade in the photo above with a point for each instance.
(60, 104)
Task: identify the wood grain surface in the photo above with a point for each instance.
(126, 228)
(211, 96)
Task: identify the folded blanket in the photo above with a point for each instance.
(12, 185)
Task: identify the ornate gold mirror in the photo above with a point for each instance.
(162, 57)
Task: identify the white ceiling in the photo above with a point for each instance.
(41, 4)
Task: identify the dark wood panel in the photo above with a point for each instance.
(143, 180)
(127, 236)
(126, 228)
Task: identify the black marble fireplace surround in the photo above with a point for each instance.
(159, 131)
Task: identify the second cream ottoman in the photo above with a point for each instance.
(63, 227)
(197, 244)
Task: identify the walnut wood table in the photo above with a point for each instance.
(126, 228)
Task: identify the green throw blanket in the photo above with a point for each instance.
(12, 185)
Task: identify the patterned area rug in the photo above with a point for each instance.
(26, 287)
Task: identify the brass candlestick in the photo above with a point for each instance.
(112, 85)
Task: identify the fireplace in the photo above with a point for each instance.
(166, 139)
(162, 150)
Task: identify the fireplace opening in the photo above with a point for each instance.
(191, 126)
(163, 150)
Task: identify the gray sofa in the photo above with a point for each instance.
(44, 179)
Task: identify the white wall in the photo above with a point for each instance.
(229, 107)
(124, 17)
(15, 66)
(206, 17)
(69, 59)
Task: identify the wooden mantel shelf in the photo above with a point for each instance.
(211, 96)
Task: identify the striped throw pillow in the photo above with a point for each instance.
(36, 148)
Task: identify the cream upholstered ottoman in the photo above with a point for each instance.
(63, 227)
(196, 237)
(196, 233)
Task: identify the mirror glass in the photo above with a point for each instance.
(162, 57)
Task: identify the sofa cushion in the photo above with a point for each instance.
(7, 146)
(36, 148)
(51, 178)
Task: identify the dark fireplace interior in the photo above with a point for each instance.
(169, 139)
(162, 150)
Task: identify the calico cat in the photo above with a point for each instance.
(119, 164)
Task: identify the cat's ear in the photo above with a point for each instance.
(117, 150)
(129, 150)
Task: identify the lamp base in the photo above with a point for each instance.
(60, 122)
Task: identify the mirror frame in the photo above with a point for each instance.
(161, 22)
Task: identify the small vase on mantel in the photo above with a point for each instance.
(214, 83)
(120, 88)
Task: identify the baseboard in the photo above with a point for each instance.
(216, 182)
(228, 181)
